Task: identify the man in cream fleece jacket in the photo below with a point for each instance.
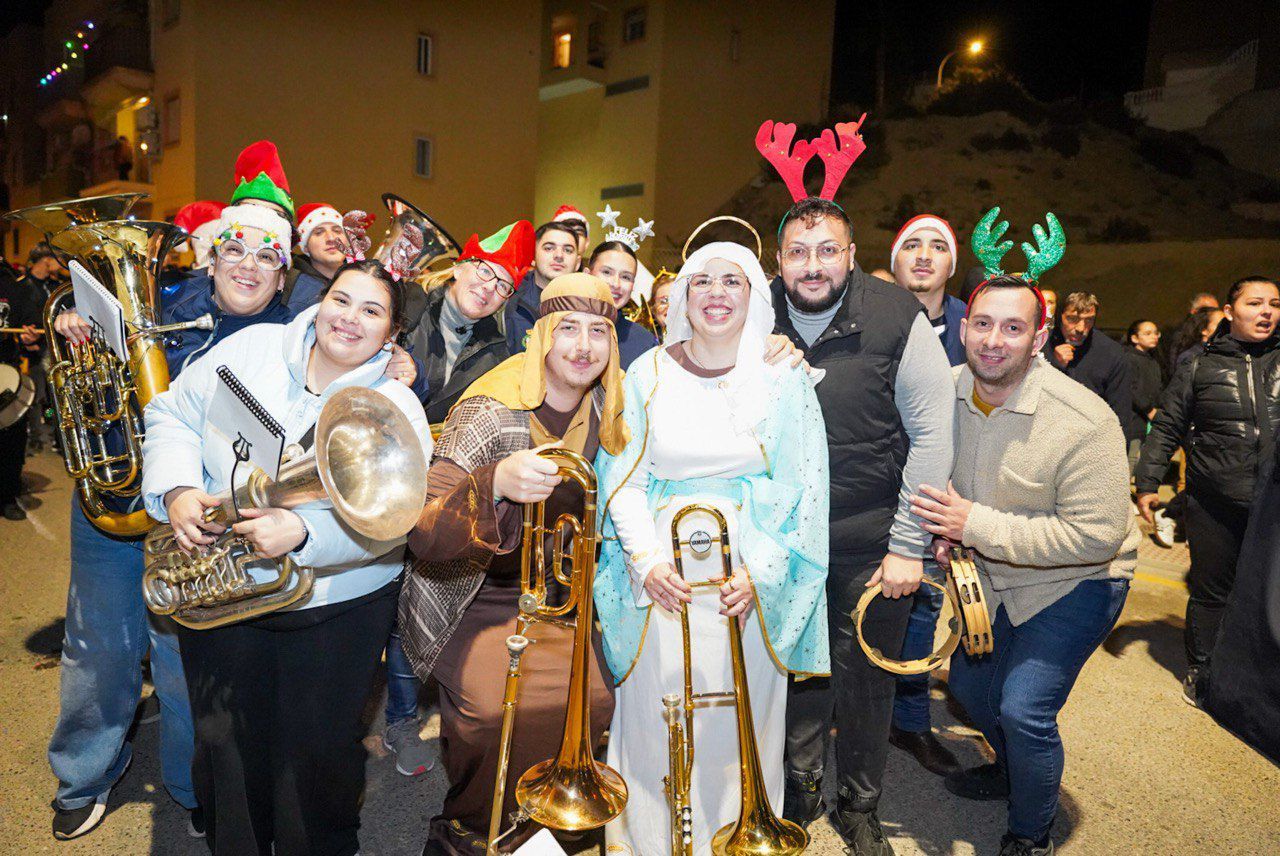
(1040, 491)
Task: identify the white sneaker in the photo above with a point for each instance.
(1164, 529)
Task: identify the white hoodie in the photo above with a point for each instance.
(181, 449)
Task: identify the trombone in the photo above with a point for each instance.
(757, 830)
(572, 791)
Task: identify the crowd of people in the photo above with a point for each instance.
(852, 427)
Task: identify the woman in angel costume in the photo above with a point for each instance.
(711, 422)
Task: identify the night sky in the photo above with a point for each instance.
(1086, 49)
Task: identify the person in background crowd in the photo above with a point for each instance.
(1171, 343)
(660, 298)
(44, 274)
(1139, 346)
(1223, 407)
(577, 223)
(615, 263)
(322, 249)
(555, 252)
(1192, 335)
(923, 259)
(1093, 358)
(1040, 492)
(122, 157)
(15, 311)
(200, 219)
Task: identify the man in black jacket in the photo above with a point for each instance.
(44, 274)
(322, 248)
(1092, 358)
(15, 311)
(887, 400)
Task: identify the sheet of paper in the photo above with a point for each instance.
(245, 424)
(541, 844)
(100, 308)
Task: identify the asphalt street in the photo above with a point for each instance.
(1145, 772)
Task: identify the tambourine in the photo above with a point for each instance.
(969, 623)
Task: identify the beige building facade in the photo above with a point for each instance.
(479, 113)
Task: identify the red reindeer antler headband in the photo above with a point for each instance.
(838, 151)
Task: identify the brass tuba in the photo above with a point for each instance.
(367, 461)
(572, 791)
(414, 242)
(98, 399)
(757, 830)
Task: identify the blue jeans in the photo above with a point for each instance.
(911, 696)
(108, 631)
(1015, 693)
(402, 683)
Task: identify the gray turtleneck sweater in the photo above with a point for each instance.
(456, 329)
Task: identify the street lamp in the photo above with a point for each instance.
(974, 48)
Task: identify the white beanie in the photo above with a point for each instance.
(277, 228)
(925, 221)
(314, 215)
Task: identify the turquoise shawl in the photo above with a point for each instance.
(782, 525)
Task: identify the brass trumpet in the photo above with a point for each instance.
(757, 830)
(367, 461)
(572, 791)
(969, 622)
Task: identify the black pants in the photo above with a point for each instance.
(13, 451)
(1215, 531)
(277, 703)
(859, 694)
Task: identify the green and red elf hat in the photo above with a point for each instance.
(510, 248)
(260, 175)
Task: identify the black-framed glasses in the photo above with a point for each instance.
(730, 282)
(487, 275)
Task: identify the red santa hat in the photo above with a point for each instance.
(312, 215)
(200, 219)
(568, 212)
(925, 221)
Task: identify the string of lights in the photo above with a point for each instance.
(72, 51)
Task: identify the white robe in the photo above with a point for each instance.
(691, 436)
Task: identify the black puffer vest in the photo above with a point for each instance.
(860, 350)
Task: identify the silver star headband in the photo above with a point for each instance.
(631, 237)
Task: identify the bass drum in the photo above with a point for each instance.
(17, 392)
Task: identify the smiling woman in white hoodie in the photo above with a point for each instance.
(277, 700)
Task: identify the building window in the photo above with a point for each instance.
(426, 53)
(422, 157)
(621, 191)
(170, 12)
(171, 119)
(561, 50)
(595, 44)
(735, 45)
(633, 23)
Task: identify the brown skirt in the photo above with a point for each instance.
(472, 671)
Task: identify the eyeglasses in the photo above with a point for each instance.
(826, 253)
(662, 302)
(730, 282)
(487, 274)
(233, 252)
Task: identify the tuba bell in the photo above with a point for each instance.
(572, 791)
(757, 830)
(367, 461)
(97, 398)
(414, 242)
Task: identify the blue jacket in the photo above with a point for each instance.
(521, 312)
(953, 309)
(193, 298)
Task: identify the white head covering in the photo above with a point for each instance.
(749, 382)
